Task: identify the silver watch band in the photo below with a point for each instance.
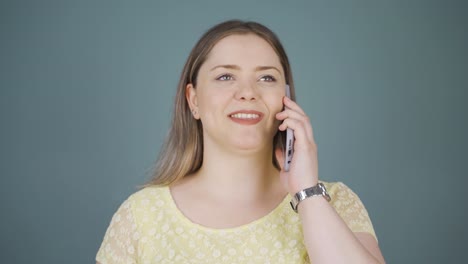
(317, 190)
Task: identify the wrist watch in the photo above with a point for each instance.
(317, 190)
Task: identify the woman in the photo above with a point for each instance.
(219, 194)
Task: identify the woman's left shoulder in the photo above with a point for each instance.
(350, 207)
(336, 187)
(341, 194)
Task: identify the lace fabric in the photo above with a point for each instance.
(148, 228)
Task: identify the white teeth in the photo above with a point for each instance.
(245, 116)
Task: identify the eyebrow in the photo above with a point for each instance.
(235, 67)
(227, 66)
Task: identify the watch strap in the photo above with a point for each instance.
(317, 190)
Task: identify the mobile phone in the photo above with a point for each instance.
(289, 146)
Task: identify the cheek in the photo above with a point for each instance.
(211, 103)
(276, 103)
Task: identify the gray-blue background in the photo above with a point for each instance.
(87, 89)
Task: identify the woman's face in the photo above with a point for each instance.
(239, 90)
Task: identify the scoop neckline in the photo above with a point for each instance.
(250, 225)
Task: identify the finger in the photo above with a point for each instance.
(289, 112)
(292, 107)
(300, 132)
(300, 117)
(288, 103)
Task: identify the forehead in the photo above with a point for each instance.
(244, 50)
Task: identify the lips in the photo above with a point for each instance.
(246, 117)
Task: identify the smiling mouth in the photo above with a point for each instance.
(245, 116)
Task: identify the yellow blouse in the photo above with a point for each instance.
(149, 228)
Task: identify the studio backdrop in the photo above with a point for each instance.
(86, 97)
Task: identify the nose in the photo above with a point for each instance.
(246, 92)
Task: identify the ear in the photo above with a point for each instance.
(192, 100)
(279, 157)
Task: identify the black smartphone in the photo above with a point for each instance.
(289, 146)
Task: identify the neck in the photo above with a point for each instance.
(245, 175)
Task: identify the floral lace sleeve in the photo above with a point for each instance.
(121, 239)
(351, 209)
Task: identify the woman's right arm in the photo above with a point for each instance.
(118, 245)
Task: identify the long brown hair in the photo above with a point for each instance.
(182, 152)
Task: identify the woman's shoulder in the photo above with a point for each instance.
(341, 195)
(148, 195)
(148, 203)
(336, 187)
(350, 207)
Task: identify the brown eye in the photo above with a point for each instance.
(225, 77)
(268, 78)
